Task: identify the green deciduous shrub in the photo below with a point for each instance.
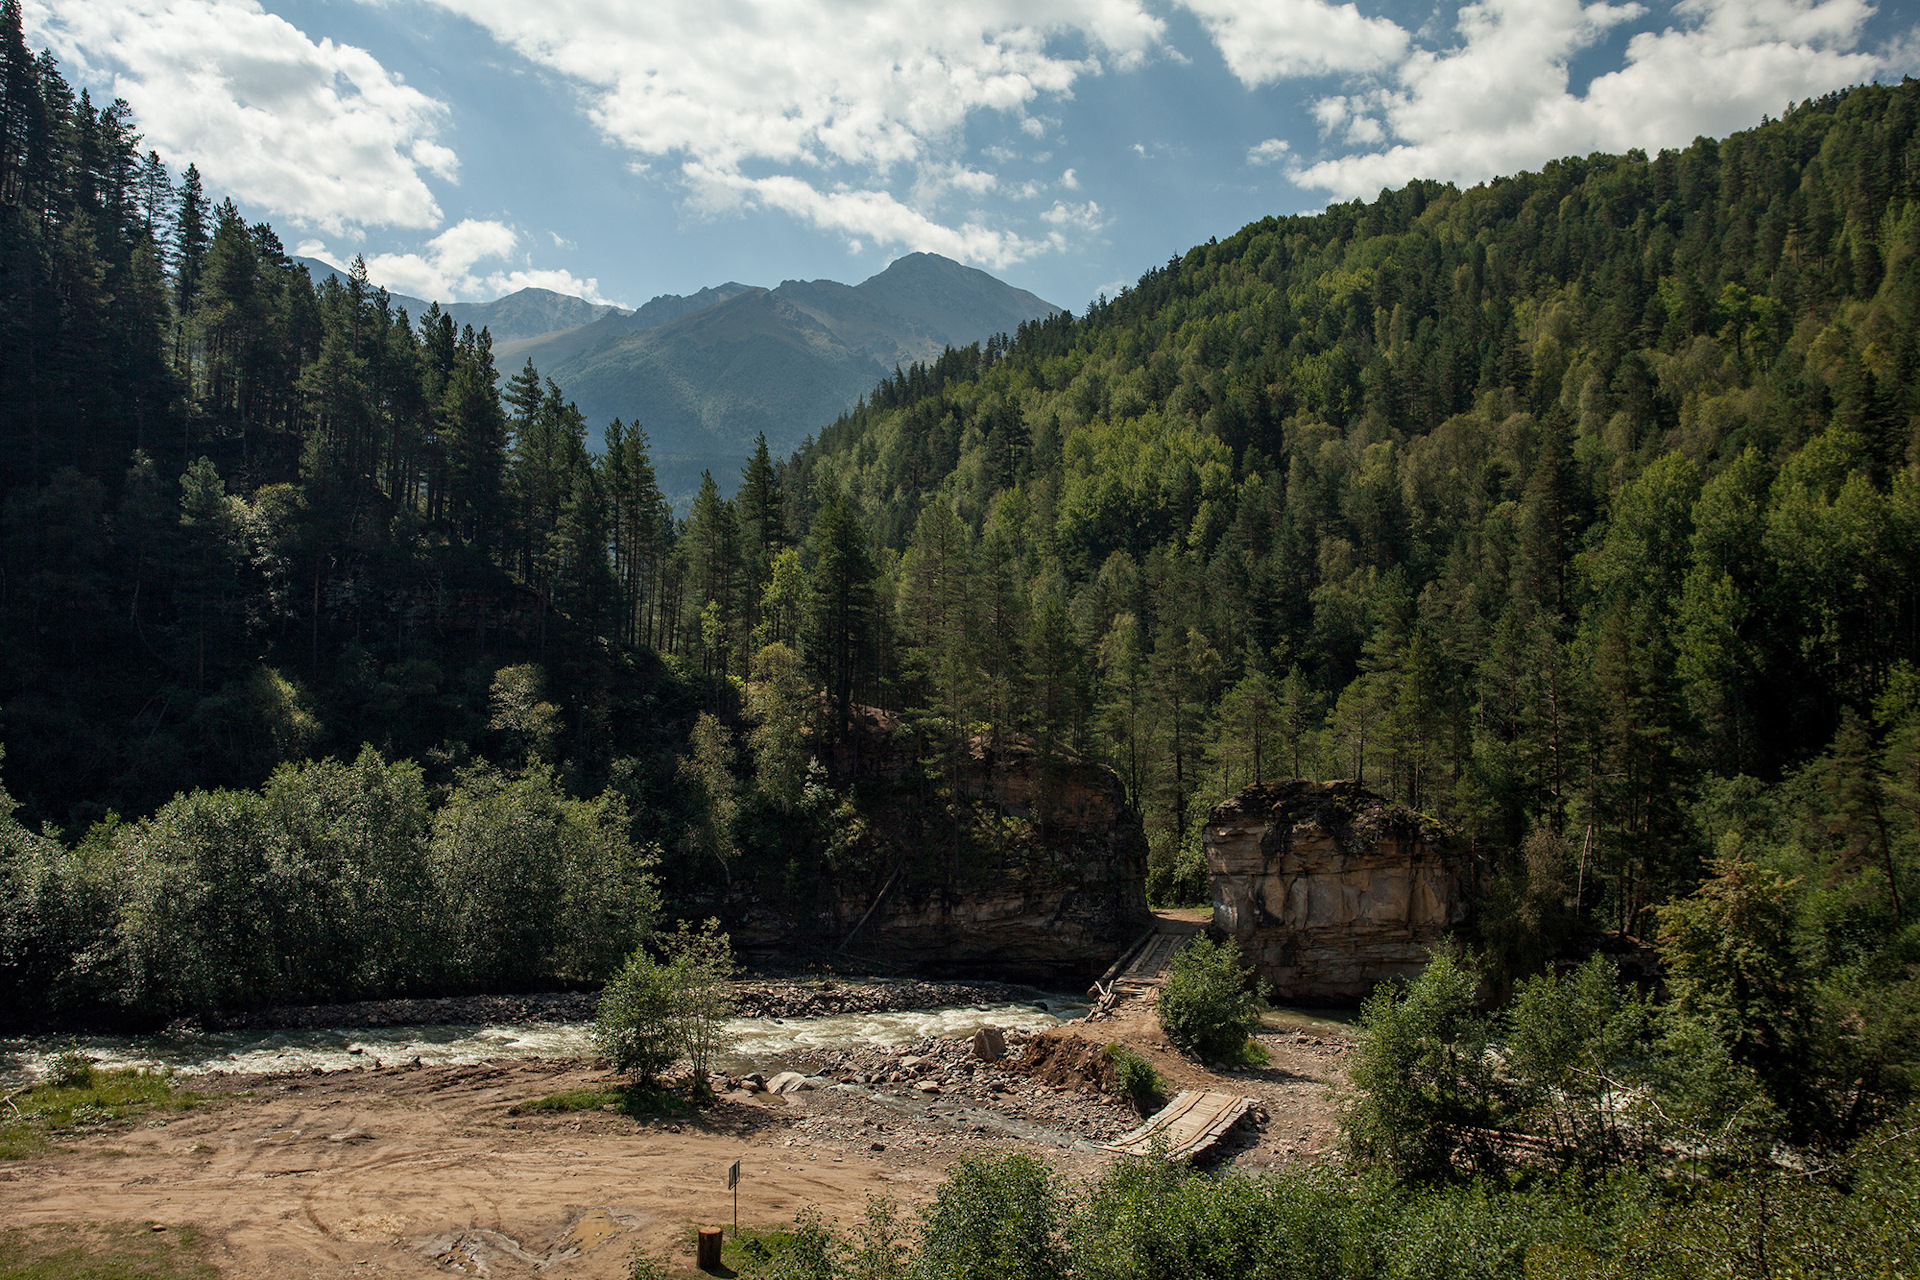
(336, 880)
(1207, 1005)
(1007, 1217)
(656, 1012)
(1422, 1079)
(995, 1218)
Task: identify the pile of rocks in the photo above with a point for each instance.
(823, 997)
(980, 1071)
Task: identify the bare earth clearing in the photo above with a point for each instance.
(419, 1171)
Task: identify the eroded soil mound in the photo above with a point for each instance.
(1065, 1060)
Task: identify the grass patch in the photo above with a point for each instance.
(1138, 1082)
(95, 1251)
(31, 1117)
(629, 1099)
(1251, 1054)
(567, 1100)
(753, 1247)
(752, 1253)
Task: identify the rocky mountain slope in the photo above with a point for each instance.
(784, 361)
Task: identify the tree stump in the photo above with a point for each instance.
(708, 1258)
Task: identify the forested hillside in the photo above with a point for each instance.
(1579, 509)
(247, 520)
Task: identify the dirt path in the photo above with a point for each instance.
(416, 1172)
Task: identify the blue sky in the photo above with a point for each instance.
(625, 148)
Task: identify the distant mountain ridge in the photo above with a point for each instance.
(527, 313)
(708, 371)
(784, 361)
(555, 347)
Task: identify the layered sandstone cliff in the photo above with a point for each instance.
(1330, 889)
(1012, 865)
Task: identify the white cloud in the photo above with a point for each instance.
(1077, 217)
(816, 107)
(1501, 101)
(867, 215)
(1070, 180)
(811, 81)
(1365, 130)
(442, 271)
(447, 267)
(321, 133)
(936, 182)
(1267, 40)
(1901, 56)
(1330, 112)
(559, 280)
(1268, 152)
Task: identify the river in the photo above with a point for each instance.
(756, 1040)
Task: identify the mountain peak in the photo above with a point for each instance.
(708, 372)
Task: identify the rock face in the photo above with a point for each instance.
(1330, 889)
(1013, 867)
(1047, 884)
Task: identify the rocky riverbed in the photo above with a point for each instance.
(757, 998)
(947, 1078)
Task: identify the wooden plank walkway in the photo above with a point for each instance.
(1139, 970)
(1191, 1123)
(1153, 958)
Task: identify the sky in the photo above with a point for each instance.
(620, 149)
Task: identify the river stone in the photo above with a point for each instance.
(989, 1044)
(788, 1082)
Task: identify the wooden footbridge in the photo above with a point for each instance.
(1188, 1125)
(1142, 966)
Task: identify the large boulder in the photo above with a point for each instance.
(1330, 889)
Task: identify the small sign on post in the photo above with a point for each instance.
(733, 1185)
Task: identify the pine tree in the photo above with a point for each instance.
(1858, 803)
(711, 547)
(840, 609)
(763, 521)
(473, 429)
(155, 188)
(191, 240)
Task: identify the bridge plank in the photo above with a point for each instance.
(1191, 1123)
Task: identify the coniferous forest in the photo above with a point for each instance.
(1580, 510)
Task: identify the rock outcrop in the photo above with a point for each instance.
(1012, 866)
(1330, 889)
(1047, 882)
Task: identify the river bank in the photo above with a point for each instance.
(421, 1170)
(755, 997)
